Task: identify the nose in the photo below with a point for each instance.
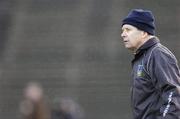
(123, 34)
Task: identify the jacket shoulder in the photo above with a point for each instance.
(158, 53)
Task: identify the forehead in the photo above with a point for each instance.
(128, 26)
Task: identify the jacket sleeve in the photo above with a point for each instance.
(164, 71)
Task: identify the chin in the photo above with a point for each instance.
(130, 48)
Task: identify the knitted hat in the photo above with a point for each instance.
(141, 19)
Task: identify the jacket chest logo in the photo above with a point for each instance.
(140, 72)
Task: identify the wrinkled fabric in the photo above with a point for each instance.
(156, 83)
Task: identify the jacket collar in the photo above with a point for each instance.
(152, 41)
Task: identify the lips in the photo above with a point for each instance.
(125, 41)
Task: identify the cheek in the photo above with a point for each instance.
(134, 39)
(135, 36)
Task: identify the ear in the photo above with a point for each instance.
(144, 34)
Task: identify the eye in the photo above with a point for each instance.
(126, 30)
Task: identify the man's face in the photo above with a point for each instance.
(132, 37)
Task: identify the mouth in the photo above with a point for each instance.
(125, 41)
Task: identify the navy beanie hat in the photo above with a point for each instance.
(141, 19)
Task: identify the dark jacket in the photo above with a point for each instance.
(156, 83)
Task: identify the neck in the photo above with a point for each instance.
(143, 41)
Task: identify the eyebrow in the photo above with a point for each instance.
(125, 28)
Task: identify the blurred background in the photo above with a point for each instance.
(73, 48)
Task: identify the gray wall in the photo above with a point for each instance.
(73, 48)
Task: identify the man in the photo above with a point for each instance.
(155, 72)
(34, 106)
